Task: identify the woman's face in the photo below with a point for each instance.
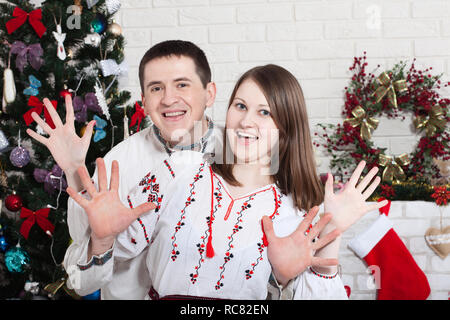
(251, 131)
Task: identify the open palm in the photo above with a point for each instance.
(290, 256)
(349, 204)
(107, 215)
(67, 148)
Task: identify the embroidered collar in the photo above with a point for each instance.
(199, 145)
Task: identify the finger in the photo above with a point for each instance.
(70, 117)
(377, 205)
(88, 132)
(329, 184)
(114, 183)
(366, 194)
(41, 123)
(318, 227)
(307, 221)
(86, 181)
(326, 239)
(269, 233)
(101, 172)
(324, 262)
(37, 137)
(143, 208)
(52, 112)
(77, 197)
(365, 182)
(357, 173)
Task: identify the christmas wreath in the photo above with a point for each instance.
(394, 93)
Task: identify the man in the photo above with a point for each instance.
(176, 86)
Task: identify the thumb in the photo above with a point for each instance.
(88, 132)
(268, 233)
(143, 208)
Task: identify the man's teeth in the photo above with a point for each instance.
(174, 114)
(246, 135)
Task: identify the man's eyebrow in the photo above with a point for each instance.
(151, 83)
(182, 79)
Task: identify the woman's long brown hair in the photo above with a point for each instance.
(296, 173)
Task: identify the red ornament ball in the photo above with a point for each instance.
(13, 202)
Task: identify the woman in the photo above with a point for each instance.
(203, 222)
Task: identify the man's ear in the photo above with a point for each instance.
(143, 104)
(211, 91)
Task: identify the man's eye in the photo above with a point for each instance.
(182, 85)
(155, 89)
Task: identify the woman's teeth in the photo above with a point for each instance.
(246, 135)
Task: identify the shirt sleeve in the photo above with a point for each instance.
(311, 285)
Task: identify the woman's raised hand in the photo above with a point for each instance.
(107, 215)
(349, 204)
(291, 255)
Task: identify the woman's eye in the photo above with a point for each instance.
(241, 106)
(265, 112)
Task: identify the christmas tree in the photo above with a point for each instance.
(50, 50)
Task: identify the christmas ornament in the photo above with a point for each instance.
(360, 120)
(393, 167)
(126, 132)
(20, 16)
(4, 143)
(33, 89)
(389, 87)
(53, 180)
(16, 259)
(397, 275)
(3, 244)
(60, 37)
(439, 241)
(93, 39)
(99, 23)
(27, 54)
(80, 106)
(110, 67)
(78, 4)
(138, 115)
(115, 29)
(101, 100)
(38, 107)
(441, 195)
(31, 217)
(32, 287)
(13, 202)
(112, 6)
(9, 88)
(433, 123)
(444, 171)
(100, 124)
(91, 3)
(19, 157)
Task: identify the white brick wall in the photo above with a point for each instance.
(316, 40)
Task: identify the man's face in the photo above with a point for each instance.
(174, 97)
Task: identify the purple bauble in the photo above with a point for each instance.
(19, 157)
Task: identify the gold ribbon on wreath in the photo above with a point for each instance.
(393, 167)
(367, 124)
(434, 122)
(389, 87)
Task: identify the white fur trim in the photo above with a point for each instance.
(366, 241)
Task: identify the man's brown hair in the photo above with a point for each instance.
(177, 48)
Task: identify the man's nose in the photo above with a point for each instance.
(170, 97)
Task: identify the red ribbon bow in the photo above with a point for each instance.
(38, 107)
(20, 16)
(137, 116)
(40, 216)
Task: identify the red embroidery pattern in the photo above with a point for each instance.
(170, 168)
(180, 223)
(201, 246)
(249, 272)
(228, 253)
